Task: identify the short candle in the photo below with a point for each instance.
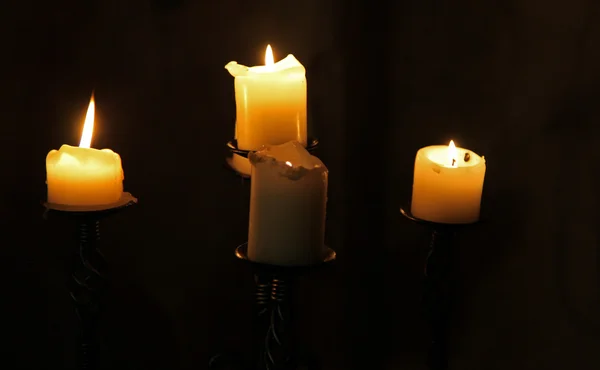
(270, 104)
(288, 198)
(448, 183)
(82, 176)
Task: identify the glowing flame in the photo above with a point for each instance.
(452, 154)
(88, 126)
(269, 61)
(289, 163)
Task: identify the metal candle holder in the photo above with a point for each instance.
(87, 276)
(233, 148)
(438, 289)
(273, 314)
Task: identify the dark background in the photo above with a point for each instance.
(517, 82)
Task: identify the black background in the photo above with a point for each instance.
(517, 82)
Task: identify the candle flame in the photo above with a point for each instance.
(88, 126)
(452, 154)
(289, 163)
(269, 60)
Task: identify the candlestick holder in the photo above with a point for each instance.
(438, 287)
(233, 149)
(273, 347)
(87, 276)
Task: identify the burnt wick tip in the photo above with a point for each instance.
(467, 157)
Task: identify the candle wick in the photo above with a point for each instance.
(453, 162)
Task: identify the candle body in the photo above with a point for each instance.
(270, 109)
(287, 206)
(270, 104)
(445, 194)
(83, 176)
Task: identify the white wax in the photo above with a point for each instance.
(288, 200)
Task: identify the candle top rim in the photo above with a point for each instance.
(75, 155)
(289, 65)
(290, 159)
(437, 154)
(67, 147)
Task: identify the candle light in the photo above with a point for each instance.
(288, 196)
(448, 182)
(270, 104)
(82, 176)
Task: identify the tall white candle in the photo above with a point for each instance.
(270, 104)
(288, 197)
(448, 182)
(83, 176)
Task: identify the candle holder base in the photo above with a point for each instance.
(240, 166)
(438, 286)
(87, 276)
(273, 347)
(97, 211)
(329, 255)
(237, 160)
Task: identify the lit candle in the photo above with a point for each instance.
(82, 176)
(270, 104)
(447, 185)
(288, 197)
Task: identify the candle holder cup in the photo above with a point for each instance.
(233, 149)
(273, 347)
(87, 276)
(438, 286)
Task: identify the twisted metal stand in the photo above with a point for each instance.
(438, 288)
(437, 295)
(87, 277)
(272, 344)
(275, 351)
(86, 285)
(273, 321)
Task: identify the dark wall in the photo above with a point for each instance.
(516, 82)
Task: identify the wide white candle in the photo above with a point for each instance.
(288, 197)
(82, 176)
(448, 182)
(270, 104)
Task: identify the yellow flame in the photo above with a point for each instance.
(269, 61)
(289, 163)
(88, 126)
(452, 154)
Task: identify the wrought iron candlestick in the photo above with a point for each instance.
(233, 149)
(87, 276)
(438, 289)
(273, 348)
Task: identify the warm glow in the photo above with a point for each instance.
(88, 126)
(289, 163)
(269, 61)
(452, 154)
